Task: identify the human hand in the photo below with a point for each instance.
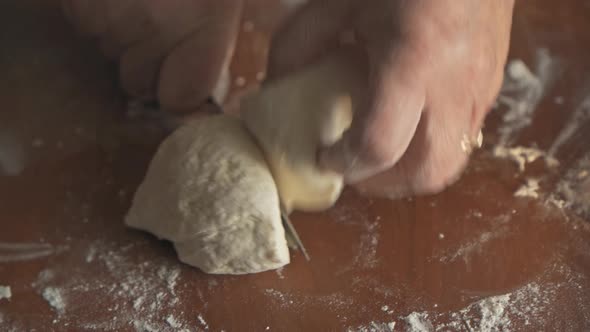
(435, 68)
(175, 51)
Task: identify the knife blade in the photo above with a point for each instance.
(292, 235)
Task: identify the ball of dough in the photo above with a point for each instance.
(296, 116)
(209, 191)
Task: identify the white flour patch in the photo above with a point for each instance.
(418, 322)
(5, 292)
(203, 322)
(521, 93)
(529, 189)
(91, 254)
(529, 308)
(54, 297)
(170, 276)
(133, 294)
(172, 322)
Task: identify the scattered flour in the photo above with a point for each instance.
(521, 93)
(91, 254)
(579, 117)
(527, 306)
(5, 292)
(173, 322)
(574, 187)
(523, 155)
(335, 302)
(529, 189)
(54, 297)
(203, 322)
(468, 249)
(366, 254)
(170, 276)
(374, 327)
(144, 294)
(418, 322)
(492, 313)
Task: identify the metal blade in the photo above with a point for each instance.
(292, 234)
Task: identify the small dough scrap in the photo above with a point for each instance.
(210, 192)
(296, 116)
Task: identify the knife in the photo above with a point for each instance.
(293, 239)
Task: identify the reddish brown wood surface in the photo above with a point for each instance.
(445, 258)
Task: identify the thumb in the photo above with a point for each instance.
(382, 130)
(309, 33)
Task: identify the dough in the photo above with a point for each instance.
(210, 192)
(293, 118)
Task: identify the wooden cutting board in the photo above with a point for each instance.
(472, 258)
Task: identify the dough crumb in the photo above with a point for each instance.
(529, 189)
(523, 155)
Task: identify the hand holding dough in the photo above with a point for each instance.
(296, 116)
(209, 188)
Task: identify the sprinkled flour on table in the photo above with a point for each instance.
(144, 294)
(522, 91)
(529, 189)
(203, 322)
(523, 155)
(54, 297)
(529, 306)
(418, 322)
(5, 292)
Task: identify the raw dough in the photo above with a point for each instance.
(210, 192)
(293, 118)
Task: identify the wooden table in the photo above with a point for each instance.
(472, 258)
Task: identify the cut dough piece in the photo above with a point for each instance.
(296, 116)
(210, 192)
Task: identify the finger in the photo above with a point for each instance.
(89, 17)
(308, 34)
(433, 161)
(128, 23)
(192, 70)
(381, 131)
(177, 22)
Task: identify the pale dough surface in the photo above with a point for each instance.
(294, 117)
(210, 192)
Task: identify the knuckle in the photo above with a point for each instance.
(378, 151)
